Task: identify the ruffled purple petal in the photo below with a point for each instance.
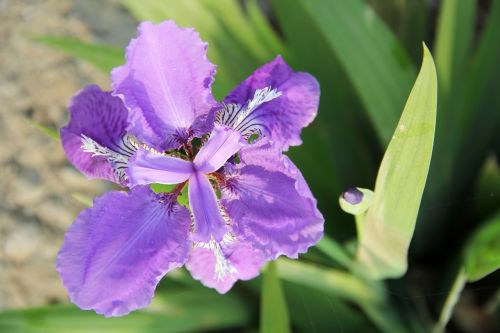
(116, 252)
(219, 265)
(166, 83)
(222, 144)
(101, 118)
(208, 221)
(269, 203)
(146, 167)
(281, 119)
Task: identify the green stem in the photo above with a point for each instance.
(451, 301)
(334, 251)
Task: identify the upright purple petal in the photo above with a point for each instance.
(222, 144)
(146, 167)
(282, 118)
(269, 203)
(166, 82)
(208, 221)
(102, 119)
(116, 252)
(219, 265)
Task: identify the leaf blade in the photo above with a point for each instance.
(103, 57)
(482, 253)
(391, 218)
(274, 316)
(374, 60)
(181, 311)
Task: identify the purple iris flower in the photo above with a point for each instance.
(248, 203)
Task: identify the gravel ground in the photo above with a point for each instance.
(36, 181)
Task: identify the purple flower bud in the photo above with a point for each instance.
(352, 195)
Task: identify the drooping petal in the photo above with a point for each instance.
(222, 144)
(269, 203)
(281, 118)
(95, 139)
(166, 83)
(116, 252)
(220, 265)
(208, 221)
(146, 167)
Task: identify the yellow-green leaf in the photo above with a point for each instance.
(390, 221)
(273, 311)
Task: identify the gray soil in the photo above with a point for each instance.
(37, 183)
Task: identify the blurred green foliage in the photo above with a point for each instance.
(365, 55)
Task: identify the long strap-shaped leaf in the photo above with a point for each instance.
(390, 221)
(374, 60)
(189, 310)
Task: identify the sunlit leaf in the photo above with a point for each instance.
(179, 311)
(104, 57)
(273, 311)
(482, 254)
(390, 221)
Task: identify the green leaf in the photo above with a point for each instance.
(51, 132)
(334, 251)
(475, 120)
(453, 44)
(482, 253)
(103, 57)
(374, 60)
(179, 311)
(82, 198)
(335, 282)
(273, 311)
(368, 295)
(390, 221)
(487, 190)
(316, 311)
(480, 119)
(454, 36)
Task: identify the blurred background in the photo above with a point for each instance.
(366, 55)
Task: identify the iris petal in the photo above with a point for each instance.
(208, 220)
(281, 118)
(115, 253)
(222, 144)
(97, 117)
(220, 265)
(166, 83)
(147, 167)
(270, 204)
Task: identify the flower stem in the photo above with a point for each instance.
(451, 301)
